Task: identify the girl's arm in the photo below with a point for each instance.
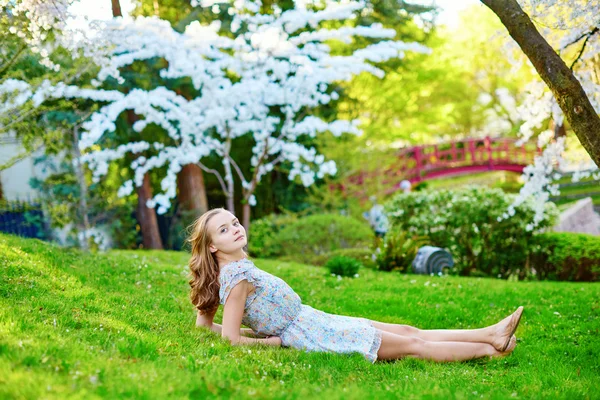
(207, 321)
(232, 317)
(243, 331)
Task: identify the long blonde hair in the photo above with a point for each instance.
(204, 268)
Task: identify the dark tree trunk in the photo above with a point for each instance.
(147, 217)
(558, 129)
(192, 192)
(83, 206)
(229, 203)
(552, 69)
(246, 216)
(116, 8)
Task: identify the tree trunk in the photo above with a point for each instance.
(116, 8)
(229, 203)
(147, 217)
(552, 69)
(246, 216)
(558, 129)
(229, 178)
(83, 207)
(192, 192)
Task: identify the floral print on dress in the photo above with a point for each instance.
(274, 309)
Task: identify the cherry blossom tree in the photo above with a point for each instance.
(43, 31)
(568, 34)
(264, 81)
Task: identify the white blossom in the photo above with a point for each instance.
(275, 64)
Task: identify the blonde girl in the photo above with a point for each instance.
(222, 274)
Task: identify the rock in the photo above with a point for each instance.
(579, 218)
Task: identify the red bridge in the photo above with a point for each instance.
(420, 163)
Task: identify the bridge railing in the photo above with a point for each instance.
(419, 163)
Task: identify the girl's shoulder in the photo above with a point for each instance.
(235, 267)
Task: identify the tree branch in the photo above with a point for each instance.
(581, 37)
(589, 35)
(20, 118)
(253, 182)
(236, 167)
(215, 173)
(19, 157)
(13, 60)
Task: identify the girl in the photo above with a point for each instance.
(221, 273)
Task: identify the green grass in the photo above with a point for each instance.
(120, 325)
(508, 181)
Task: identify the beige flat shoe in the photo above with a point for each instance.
(512, 343)
(514, 323)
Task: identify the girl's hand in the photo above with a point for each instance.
(274, 340)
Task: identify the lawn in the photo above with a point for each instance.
(120, 325)
(510, 182)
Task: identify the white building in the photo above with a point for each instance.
(15, 180)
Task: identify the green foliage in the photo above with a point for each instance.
(427, 95)
(465, 222)
(320, 234)
(343, 266)
(263, 238)
(398, 250)
(439, 92)
(364, 256)
(421, 186)
(60, 193)
(566, 256)
(21, 206)
(180, 222)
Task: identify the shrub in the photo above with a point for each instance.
(343, 266)
(466, 222)
(421, 186)
(566, 256)
(364, 256)
(320, 234)
(398, 250)
(263, 239)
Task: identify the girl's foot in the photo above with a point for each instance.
(512, 343)
(505, 329)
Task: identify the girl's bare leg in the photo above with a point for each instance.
(482, 335)
(496, 335)
(396, 346)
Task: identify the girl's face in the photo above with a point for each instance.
(227, 233)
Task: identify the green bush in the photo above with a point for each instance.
(263, 239)
(364, 256)
(421, 186)
(343, 266)
(398, 250)
(467, 222)
(320, 234)
(566, 256)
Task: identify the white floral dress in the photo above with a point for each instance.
(274, 309)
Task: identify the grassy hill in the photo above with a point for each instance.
(119, 325)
